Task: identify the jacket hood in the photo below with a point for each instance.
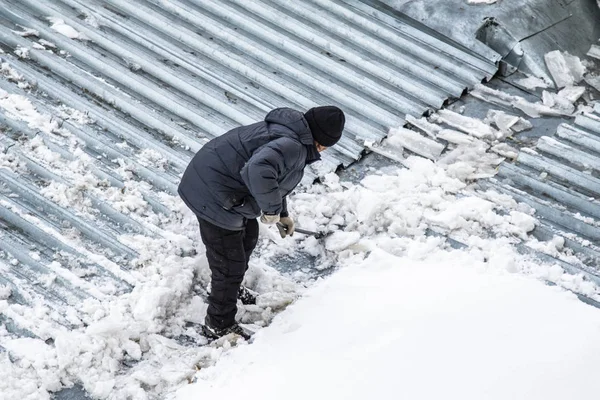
(293, 120)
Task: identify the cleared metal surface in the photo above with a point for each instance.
(167, 76)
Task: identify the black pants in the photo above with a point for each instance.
(228, 253)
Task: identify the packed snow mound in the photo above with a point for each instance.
(428, 325)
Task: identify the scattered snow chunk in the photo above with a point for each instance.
(72, 114)
(5, 292)
(523, 221)
(46, 43)
(416, 143)
(522, 125)
(427, 127)
(572, 93)
(472, 126)
(593, 81)
(10, 73)
(505, 150)
(501, 119)
(558, 102)
(532, 82)
(22, 52)
(61, 27)
(151, 157)
(455, 137)
(566, 70)
(594, 52)
(26, 32)
(481, 1)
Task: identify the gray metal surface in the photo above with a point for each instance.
(535, 26)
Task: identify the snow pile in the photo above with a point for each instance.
(418, 324)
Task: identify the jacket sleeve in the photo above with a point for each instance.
(262, 172)
(284, 210)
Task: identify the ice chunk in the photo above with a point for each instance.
(594, 52)
(469, 125)
(572, 93)
(501, 119)
(424, 125)
(532, 82)
(593, 81)
(455, 137)
(534, 110)
(416, 143)
(522, 125)
(553, 100)
(505, 150)
(566, 70)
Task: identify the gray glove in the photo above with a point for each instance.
(269, 219)
(286, 226)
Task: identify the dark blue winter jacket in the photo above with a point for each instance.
(248, 169)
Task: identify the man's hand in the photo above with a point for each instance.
(269, 219)
(286, 226)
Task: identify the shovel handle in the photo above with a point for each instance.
(317, 235)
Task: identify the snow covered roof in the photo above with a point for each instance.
(119, 94)
(161, 78)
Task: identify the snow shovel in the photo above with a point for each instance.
(317, 235)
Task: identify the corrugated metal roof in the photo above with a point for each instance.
(560, 179)
(168, 76)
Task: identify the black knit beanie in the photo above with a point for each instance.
(326, 124)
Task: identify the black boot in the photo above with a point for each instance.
(212, 333)
(246, 295)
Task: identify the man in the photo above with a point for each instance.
(240, 176)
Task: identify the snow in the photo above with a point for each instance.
(406, 326)
(61, 27)
(481, 1)
(5, 292)
(341, 240)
